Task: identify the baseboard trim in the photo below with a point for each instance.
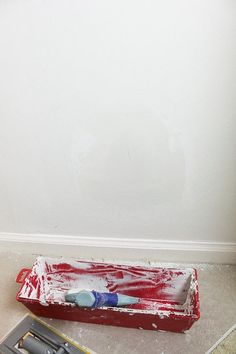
(120, 248)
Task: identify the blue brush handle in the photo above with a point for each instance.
(87, 298)
(105, 299)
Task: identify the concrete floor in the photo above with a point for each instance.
(218, 313)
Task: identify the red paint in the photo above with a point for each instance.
(159, 289)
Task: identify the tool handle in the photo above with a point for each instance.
(24, 272)
(36, 346)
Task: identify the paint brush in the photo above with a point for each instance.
(85, 298)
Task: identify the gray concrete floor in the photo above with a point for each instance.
(218, 313)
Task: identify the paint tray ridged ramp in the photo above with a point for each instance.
(169, 297)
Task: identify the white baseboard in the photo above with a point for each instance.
(134, 249)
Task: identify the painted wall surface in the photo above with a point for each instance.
(118, 118)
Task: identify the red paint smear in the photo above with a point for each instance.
(153, 284)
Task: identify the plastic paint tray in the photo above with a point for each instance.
(169, 298)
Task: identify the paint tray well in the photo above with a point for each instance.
(169, 297)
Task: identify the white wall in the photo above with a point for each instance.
(117, 118)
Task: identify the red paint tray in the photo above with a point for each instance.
(169, 298)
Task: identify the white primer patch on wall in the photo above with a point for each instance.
(118, 123)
